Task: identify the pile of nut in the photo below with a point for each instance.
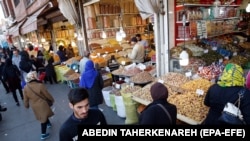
(142, 78)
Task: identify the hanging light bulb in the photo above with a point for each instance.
(79, 36)
(248, 7)
(22, 40)
(118, 36)
(184, 58)
(104, 35)
(43, 40)
(122, 32)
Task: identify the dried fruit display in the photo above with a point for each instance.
(131, 72)
(130, 89)
(118, 71)
(142, 78)
(211, 72)
(123, 59)
(193, 85)
(144, 93)
(190, 105)
(174, 79)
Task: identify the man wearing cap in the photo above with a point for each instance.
(160, 111)
(137, 54)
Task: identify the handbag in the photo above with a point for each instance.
(50, 103)
(231, 113)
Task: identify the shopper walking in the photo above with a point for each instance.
(35, 94)
(2, 64)
(92, 80)
(11, 75)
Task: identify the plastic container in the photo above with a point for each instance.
(120, 106)
(105, 93)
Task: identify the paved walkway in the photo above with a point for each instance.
(19, 123)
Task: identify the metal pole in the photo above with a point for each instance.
(84, 43)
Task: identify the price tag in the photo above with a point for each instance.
(200, 68)
(142, 67)
(206, 51)
(106, 52)
(117, 86)
(214, 48)
(132, 84)
(98, 54)
(116, 50)
(127, 80)
(221, 60)
(226, 57)
(188, 74)
(199, 92)
(160, 81)
(235, 54)
(123, 62)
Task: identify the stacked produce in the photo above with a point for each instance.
(211, 57)
(144, 93)
(191, 103)
(173, 81)
(211, 72)
(142, 78)
(176, 51)
(240, 60)
(196, 50)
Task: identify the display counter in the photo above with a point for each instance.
(60, 71)
(179, 116)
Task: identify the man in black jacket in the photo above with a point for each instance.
(82, 115)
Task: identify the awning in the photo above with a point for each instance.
(14, 31)
(31, 23)
(148, 7)
(68, 9)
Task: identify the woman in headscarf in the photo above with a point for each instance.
(35, 94)
(160, 111)
(91, 79)
(226, 90)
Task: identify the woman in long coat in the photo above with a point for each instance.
(40, 107)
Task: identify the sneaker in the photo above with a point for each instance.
(49, 125)
(3, 109)
(44, 136)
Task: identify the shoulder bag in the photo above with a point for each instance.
(166, 111)
(231, 113)
(50, 103)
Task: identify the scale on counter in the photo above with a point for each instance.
(175, 65)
